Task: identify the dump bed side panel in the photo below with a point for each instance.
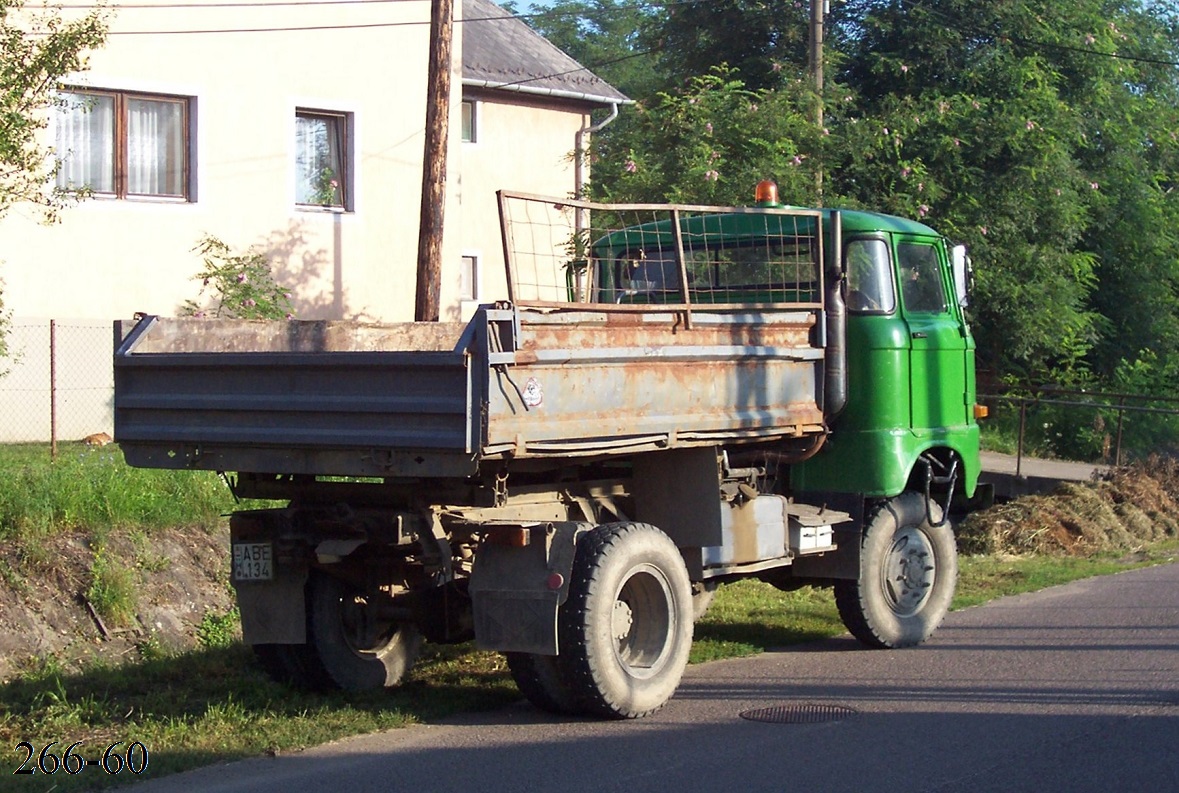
(279, 403)
(586, 383)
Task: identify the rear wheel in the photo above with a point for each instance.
(293, 664)
(626, 628)
(908, 571)
(357, 650)
(539, 679)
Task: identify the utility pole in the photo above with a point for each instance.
(429, 273)
(816, 58)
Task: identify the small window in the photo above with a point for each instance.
(469, 278)
(122, 144)
(922, 287)
(323, 159)
(869, 278)
(470, 130)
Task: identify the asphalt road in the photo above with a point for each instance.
(1074, 688)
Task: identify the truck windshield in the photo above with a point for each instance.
(922, 286)
(757, 271)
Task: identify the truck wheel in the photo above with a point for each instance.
(539, 679)
(626, 628)
(908, 569)
(356, 653)
(293, 664)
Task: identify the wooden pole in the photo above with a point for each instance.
(429, 275)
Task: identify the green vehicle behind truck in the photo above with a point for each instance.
(673, 397)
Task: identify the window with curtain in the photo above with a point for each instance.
(322, 165)
(123, 144)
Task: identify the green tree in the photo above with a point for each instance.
(711, 143)
(37, 49)
(611, 38)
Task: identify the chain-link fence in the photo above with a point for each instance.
(59, 381)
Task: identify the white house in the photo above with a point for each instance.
(293, 128)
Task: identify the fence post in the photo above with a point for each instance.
(1118, 446)
(53, 389)
(1023, 418)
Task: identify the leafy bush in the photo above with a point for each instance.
(238, 285)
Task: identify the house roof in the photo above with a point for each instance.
(501, 51)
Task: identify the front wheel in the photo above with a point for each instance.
(908, 571)
(626, 628)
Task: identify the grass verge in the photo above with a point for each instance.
(216, 705)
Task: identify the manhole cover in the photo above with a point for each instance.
(799, 714)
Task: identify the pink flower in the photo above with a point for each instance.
(631, 166)
(753, 107)
(712, 176)
(922, 211)
(826, 131)
(905, 172)
(957, 141)
(249, 302)
(241, 278)
(1089, 38)
(1031, 124)
(904, 69)
(1093, 185)
(886, 130)
(797, 160)
(708, 127)
(777, 67)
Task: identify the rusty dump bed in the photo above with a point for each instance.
(445, 399)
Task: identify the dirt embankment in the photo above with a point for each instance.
(155, 590)
(172, 580)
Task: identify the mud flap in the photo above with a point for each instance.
(270, 591)
(520, 579)
(273, 612)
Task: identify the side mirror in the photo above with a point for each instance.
(963, 274)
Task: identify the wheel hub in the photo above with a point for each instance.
(623, 619)
(908, 571)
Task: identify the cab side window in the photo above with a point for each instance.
(922, 287)
(869, 278)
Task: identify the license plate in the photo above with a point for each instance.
(253, 561)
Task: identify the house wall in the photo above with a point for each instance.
(524, 143)
(109, 258)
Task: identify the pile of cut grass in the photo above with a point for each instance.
(1125, 510)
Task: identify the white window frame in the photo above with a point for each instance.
(475, 114)
(347, 190)
(475, 275)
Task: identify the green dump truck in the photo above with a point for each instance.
(671, 398)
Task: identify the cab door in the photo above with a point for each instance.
(937, 337)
